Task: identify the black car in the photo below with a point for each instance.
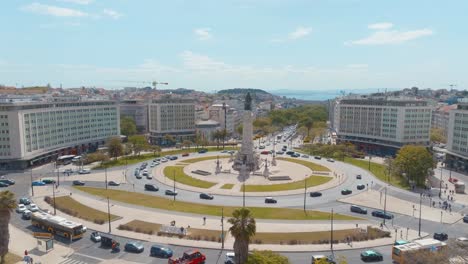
(201, 151)
(440, 236)
(315, 194)
(359, 177)
(78, 183)
(7, 181)
(382, 214)
(113, 183)
(173, 157)
(171, 192)
(48, 181)
(151, 187)
(465, 219)
(2, 184)
(206, 196)
(270, 200)
(296, 155)
(290, 152)
(346, 191)
(357, 209)
(360, 186)
(134, 246)
(317, 157)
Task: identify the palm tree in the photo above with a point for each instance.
(242, 229)
(7, 204)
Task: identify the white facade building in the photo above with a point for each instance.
(206, 128)
(457, 142)
(225, 115)
(36, 132)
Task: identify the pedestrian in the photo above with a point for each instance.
(401, 233)
(31, 261)
(25, 252)
(204, 220)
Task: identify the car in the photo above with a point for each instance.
(265, 152)
(231, 151)
(206, 196)
(317, 157)
(185, 154)
(171, 192)
(33, 207)
(95, 236)
(270, 200)
(160, 251)
(48, 181)
(7, 181)
(280, 152)
(261, 147)
(462, 240)
(113, 183)
(138, 176)
(24, 200)
(382, 214)
(78, 183)
(358, 209)
(2, 184)
(315, 194)
(371, 255)
(305, 156)
(465, 219)
(296, 155)
(224, 151)
(173, 157)
(151, 187)
(164, 160)
(201, 151)
(68, 171)
(157, 160)
(360, 186)
(193, 255)
(440, 236)
(152, 165)
(21, 208)
(346, 191)
(149, 177)
(26, 215)
(322, 259)
(453, 180)
(230, 258)
(38, 183)
(134, 246)
(400, 242)
(289, 152)
(84, 171)
(330, 160)
(358, 177)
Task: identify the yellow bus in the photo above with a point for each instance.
(57, 225)
(400, 252)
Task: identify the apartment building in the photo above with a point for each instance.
(225, 115)
(138, 111)
(33, 133)
(457, 142)
(381, 126)
(441, 116)
(171, 116)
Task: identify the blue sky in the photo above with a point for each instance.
(213, 45)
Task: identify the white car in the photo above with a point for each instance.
(152, 165)
(462, 240)
(163, 160)
(33, 207)
(84, 171)
(229, 258)
(149, 177)
(21, 208)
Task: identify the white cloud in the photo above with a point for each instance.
(300, 32)
(381, 26)
(53, 10)
(112, 13)
(203, 33)
(383, 37)
(79, 2)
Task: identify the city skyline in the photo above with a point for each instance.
(209, 46)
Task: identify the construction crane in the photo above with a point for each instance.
(154, 84)
(451, 86)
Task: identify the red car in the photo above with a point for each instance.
(453, 180)
(189, 257)
(265, 152)
(185, 155)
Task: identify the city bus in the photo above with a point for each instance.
(400, 253)
(64, 160)
(57, 225)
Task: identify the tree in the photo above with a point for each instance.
(437, 135)
(114, 147)
(127, 126)
(415, 161)
(170, 140)
(7, 204)
(307, 122)
(266, 257)
(187, 143)
(155, 149)
(242, 228)
(139, 143)
(96, 156)
(218, 135)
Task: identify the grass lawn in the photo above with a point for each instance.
(141, 227)
(227, 186)
(203, 159)
(201, 209)
(308, 164)
(311, 181)
(181, 177)
(74, 208)
(379, 171)
(11, 258)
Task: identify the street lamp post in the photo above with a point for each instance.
(440, 183)
(222, 228)
(174, 179)
(53, 195)
(32, 186)
(58, 173)
(105, 175)
(385, 205)
(108, 214)
(225, 125)
(420, 212)
(331, 232)
(305, 191)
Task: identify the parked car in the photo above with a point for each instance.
(465, 219)
(26, 215)
(261, 147)
(160, 251)
(462, 240)
(171, 192)
(21, 208)
(84, 171)
(206, 196)
(296, 155)
(315, 194)
(38, 183)
(164, 160)
(360, 186)
(279, 153)
(149, 177)
(359, 177)
(185, 154)
(382, 214)
(48, 181)
(24, 200)
(229, 258)
(289, 152)
(317, 157)
(33, 207)
(453, 180)
(346, 191)
(440, 236)
(305, 156)
(134, 246)
(113, 183)
(270, 200)
(2, 184)
(358, 209)
(138, 176)
(7, 181)
(173, 157)
(78, 183)
(371, 255)
(330, 160)
(322, 259)
(265, 152)
(95, 236)
(201, 151)
(151, 187)
(68, 171)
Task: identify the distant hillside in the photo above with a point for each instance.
(243, 91)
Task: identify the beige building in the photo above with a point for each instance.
(171, 116)
(32, 133)
(457, 142)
